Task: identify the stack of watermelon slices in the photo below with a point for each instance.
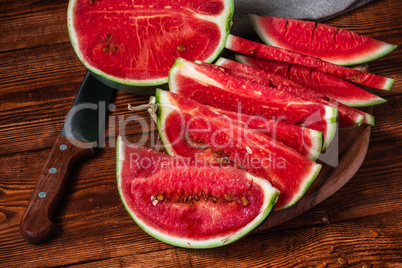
(273, 101)
(270, 114)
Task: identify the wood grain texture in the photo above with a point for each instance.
(39, 77)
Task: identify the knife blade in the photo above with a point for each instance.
(81, 130)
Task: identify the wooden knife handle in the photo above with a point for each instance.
(37, 222)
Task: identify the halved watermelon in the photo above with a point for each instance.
(211, 85)
(349, 118)
(247, 47)
(186, 205)
(187, 129)
(135, 43)
(305, 141)
(333, 87)
(318, 40)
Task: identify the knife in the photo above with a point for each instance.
(83, 126)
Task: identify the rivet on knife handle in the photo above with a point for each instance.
(37, 222)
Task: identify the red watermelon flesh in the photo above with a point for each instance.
(349, 118)
(305, 141)
(250, 48)
(336, 88)
(321, 82)
(136, 42)
(217, 88)
(156, 192)
(188, 129)
(318, 40)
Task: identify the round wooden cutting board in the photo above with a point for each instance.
(351, 147)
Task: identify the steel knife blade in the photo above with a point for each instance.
(82, 128)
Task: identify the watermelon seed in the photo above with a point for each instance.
(181, 48)
(213, 199)
(159, 197)
(108, 36)
(92, 2)
(189, 198)
(204, 196)
(185, 199)
(224, 160)
(178, 199)
(105, 49)
(228, 198)
(196, 198)
(114, 49)
(154, 202)
(245, 201)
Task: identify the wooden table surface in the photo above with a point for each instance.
(39, 77)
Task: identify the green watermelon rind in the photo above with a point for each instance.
(369, 120)
(270, 199)
(384, 50)
(388, 84)
(224, 20)
(331, 117)
(372, 102)
(357, 125)
(317, 139)
(162, 113)
(310, 178)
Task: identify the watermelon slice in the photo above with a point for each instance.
(186, 205)
(258, 50)
(189, 130)
(349, 118)
(305, 141)
(333, 87)
(318, 40)
(135, 43)
(214, 87)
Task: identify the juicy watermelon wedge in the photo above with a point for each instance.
(348, 117)
(212, 85)
(333, 87)
(250, 48)
(318, 40)
(135, 43)
(305, 141)
(225, 203)
(188, 129)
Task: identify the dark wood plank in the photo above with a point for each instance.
(293, 248)
(32, 23)
(89, 200)
(35, 127)
(39, 76)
